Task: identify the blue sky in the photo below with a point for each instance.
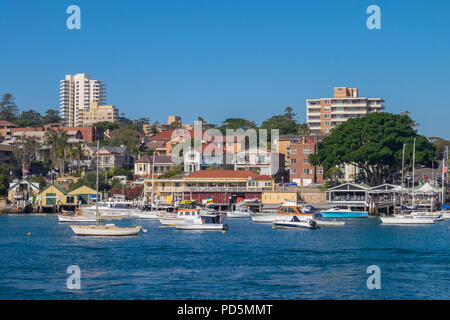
(231, 58)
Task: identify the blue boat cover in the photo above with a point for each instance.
(445, 206)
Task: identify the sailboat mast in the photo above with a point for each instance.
(403, 170)
(414, 164)
(443, 175)
(97, 214)
(153, 176)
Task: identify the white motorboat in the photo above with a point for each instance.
(104, 230)
(268, 217)
(150, 214)
(426, 215)
(114, 208)
(405, 220)
(241, 211)
(204, 222)
(183, 214)
(296, 223)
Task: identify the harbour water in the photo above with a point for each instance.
(249, 261)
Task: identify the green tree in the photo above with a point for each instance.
(374, 144)
(8, 109)
(304, 130)
(236, 123)
(106, 125)
(439, 145)
(285, 123)
(174, 172)
(29, 118)
(127, 137)
(51, 116)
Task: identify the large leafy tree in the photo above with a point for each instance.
(128, 137)
(285, 123)
(51, 116)
(236, 123)
(30, 118)
(373, 143)
(8, 109)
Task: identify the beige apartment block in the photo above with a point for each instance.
(76, 94)
(323, 114)
(99, 113)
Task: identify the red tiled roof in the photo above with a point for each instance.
(158, 159)
(167, 135)
(7, 123)
(264, 177)
(223, 174)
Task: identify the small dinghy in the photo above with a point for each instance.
(296, 223)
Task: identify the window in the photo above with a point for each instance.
(307, 151)
(293, 171)
(327, 116)
(319, 171)
(293, 160)
(306, 161)
(293, 151)
(307, 171)
(327, 108)
(327, 123)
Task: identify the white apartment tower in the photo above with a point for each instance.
(325, 113)
(76, 94)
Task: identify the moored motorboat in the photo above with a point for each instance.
(405, 220)
(268, 217)
(204, 222)
(343, 212)
(151, 214)
(183, 214)
(296, 223)
(241, 211)
(76, 216)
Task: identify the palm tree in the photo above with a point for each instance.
(57, 141)
(304, 130)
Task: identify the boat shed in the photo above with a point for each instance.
(348, 194)
(53, 197)
(23, 190)
(83, 195)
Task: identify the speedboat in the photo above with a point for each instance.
(296, 223)
(426, 215)
(104, 230)
(204, 222)
(268, 217)
(241, 211)
(405, 220)
(343, 212)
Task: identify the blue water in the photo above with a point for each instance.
(249, 261)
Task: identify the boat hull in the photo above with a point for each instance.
(104, 231)
(294, 225)
(348, 214)
(405, 221)
(205, 226)
(62, 218)
(237, 214)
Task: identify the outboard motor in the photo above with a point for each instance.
(314, 224)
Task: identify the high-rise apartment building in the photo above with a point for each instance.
(99, 113)
(76, 94)
(325, 113)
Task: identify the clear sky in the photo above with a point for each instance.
(231, 58)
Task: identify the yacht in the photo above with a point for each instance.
(342, 212)
(405, 220)
(183, 214)
(284, 213)
(114, 209)
(242, 211)
(204, 222)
